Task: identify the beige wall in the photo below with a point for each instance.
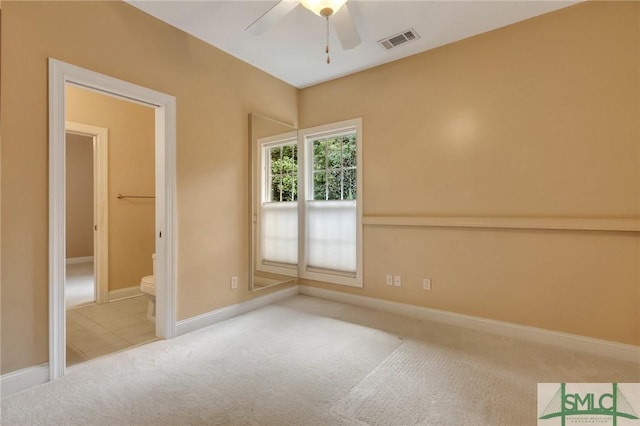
(131, 134)
(538, 119)
(79, 195)
(215, 93)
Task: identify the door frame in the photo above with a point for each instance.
(100, 137)
(61, 74)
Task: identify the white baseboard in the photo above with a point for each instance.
(589, 345)
(124, 293)
(194, 323)
(86, 259)
(20, 380)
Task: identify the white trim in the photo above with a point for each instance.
(100, 136)
(306, 177)
(60, 74)
(166, 272)
(195, 323)
(262, 173)
(57, 225)
(551, 223)
(25, 378)
(568, 341)
(125, 293)
(74, 260)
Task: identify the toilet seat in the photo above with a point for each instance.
(148, 285)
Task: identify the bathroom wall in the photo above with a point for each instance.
(131, 135)
(79, 196)
(537, 120)
(215, 93)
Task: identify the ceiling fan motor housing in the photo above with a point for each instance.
(326, 12)
(323, 8)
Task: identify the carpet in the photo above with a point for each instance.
(307, 361)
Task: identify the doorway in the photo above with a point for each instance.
(119, 320)
(87, 214)
(62, 75)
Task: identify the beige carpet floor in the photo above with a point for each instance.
(306, 361)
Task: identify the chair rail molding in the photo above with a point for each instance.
(497, 222)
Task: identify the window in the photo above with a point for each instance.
(332, 209)
(334, 167)
(277, 250)
(283, 172)
(310, 185)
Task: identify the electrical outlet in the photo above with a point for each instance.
(397, 280)
(389, 279)
(426, 284)
(234, 283)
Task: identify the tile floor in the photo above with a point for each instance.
(96, 330)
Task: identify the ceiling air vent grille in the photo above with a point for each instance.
(398, 39)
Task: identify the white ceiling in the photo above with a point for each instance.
(293, 49)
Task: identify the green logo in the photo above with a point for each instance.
(584, 401)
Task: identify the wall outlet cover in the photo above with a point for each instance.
(426, 284)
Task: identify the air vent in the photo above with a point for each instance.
(398, 39)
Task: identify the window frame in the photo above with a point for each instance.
(263, 165)
(305, 194)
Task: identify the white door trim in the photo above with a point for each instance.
(60, 74)
(100, 204)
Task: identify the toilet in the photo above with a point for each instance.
(148, 287)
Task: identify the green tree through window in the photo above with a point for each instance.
(283, 173)
(334, 168)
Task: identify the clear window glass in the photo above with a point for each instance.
(334, 168)
(282, 179)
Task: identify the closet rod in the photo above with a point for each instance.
(135, 196)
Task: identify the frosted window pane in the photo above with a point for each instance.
(331, 239)
(279, 232)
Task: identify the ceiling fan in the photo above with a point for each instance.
(336, 9)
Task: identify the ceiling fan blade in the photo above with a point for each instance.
(271, 16)
(346, 28)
